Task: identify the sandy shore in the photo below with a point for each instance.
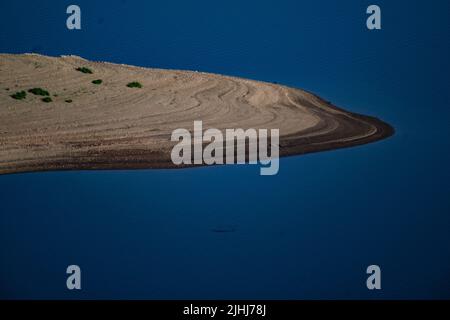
(112, 126)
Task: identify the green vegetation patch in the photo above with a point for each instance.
(84, 70)
(19, 95)
(39, 92)
(47, 99)
(69, 100)
(134, 84)
(98, 81)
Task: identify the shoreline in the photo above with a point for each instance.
(110, 126)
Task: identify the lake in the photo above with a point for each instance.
(225, 232)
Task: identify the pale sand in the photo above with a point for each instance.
(111, 126)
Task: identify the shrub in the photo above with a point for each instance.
(19, 95)
(84, 70)
(39, 92)
(47, 99)
(134, 84)
(99, 81)
(69, 100)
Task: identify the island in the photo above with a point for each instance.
(68, 113)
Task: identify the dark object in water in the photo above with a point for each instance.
(224, 229)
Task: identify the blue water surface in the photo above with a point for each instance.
(308, 232)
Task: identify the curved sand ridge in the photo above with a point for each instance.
(111, 126)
